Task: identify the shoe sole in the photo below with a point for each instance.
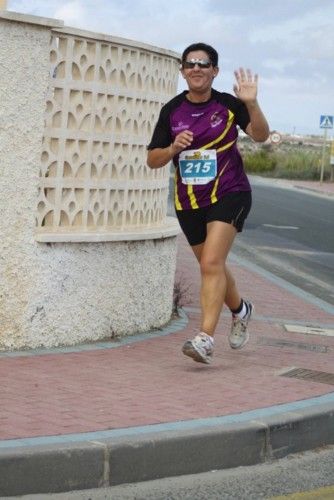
(189, 350)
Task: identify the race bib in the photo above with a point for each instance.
(198, 166)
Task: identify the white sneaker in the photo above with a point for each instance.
(239, 335)
(200, 349)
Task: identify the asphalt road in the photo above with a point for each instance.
(291, 234)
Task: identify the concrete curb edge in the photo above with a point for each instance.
(139, 457)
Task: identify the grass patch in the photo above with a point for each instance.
(286, 161)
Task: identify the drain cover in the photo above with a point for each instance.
(312, 330)
(310, 375)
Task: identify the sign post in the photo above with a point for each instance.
(331, 161)
(326, 122)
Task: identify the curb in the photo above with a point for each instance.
(291, 185)
(135, 455)
(323, 193)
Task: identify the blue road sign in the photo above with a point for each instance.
(326, 121)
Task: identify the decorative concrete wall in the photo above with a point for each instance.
(104, 99)
(86, 249)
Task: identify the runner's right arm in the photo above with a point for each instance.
(159, 157)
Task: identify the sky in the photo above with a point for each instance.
(289, 43)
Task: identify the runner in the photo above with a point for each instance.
(197, 130)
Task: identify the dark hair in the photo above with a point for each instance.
(212, 53)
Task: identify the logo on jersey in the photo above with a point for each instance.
(180, 126)
(215, 119)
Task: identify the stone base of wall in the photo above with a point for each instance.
(89, 291)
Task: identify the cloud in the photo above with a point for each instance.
(72, 13)
(310, 34)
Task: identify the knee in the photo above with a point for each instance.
(211, 265)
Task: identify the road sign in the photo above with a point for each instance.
(275, 137)
(326, 121)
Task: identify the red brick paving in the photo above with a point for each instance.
(151, 381)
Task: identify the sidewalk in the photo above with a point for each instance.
(137, 409)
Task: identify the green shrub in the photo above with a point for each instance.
(303, 165)
(287, 163)
(261, 161)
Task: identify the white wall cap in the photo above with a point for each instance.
(28, 19)
(118, 41)
(169, 229)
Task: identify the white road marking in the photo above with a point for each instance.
(280, 227)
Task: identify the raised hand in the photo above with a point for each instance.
(246, 86)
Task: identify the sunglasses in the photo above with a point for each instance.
(201, 63)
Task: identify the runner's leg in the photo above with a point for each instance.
(232, 297)
(220, 236)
